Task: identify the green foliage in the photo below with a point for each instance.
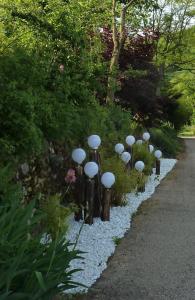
(48, 72)
(125, 183)
(182, 114)
(116, 240)
(187, 131)
(56, 215)
(165, 138)
(141, 152)
(29, 269)
(19, 133)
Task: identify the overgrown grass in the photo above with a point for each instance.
(187, 131)
(166, 139)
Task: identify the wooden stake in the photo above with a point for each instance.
(90, 186)
(141, 187)
(107, 193)
(79, 192)
(129, 166)
(157, 166)
(95, 156)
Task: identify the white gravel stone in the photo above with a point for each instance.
(97, 240)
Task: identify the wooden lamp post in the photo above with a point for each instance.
(126, 157)
(91, 170)
(107, 180)
(94, 143)
(146, 137)
(151, 150)
(158, 155)
(139, 166)
(78, 156)
(130, 140)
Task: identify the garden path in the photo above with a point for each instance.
(156, 259)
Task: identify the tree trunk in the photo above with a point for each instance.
(118, 40)
(114, 59)
(160, 81)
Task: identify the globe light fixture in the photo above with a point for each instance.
(94, 141)
(91, 169)
(130, 140)
(139, 166)
(108, 179)
(139, 142)
(151, 148)
(146, 136)
(158, 154)
(126, 156)
(78, 155)
(119, 148)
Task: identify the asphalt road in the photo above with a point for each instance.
(156, 259)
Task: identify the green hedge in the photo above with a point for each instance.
(166, 139)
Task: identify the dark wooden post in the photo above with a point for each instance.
(79, 192)
(141, 187)
(107, 194)
(157, 166)
(95, 156)
(130, 163)
(89, 207)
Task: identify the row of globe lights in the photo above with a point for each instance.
(91, 168)
(130, 141)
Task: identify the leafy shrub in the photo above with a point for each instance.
(182, 113)
(165, 138)
(19, 131)
(124, 183)
(56, 215)
(141, 152)
(30, 270)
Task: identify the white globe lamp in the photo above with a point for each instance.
(78, 155)
(139, 166)
(119, 148)
(126, 156)
(146, 136)
(108, 179)
(130, 140)
(94, 141)
(158, 154)
(91, 169)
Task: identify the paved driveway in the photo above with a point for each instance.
(156, 259)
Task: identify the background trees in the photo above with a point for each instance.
(61, 60)
(69, 69)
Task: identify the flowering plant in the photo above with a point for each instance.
(70, 176)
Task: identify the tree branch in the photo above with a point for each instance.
(128, 4)
(114, 28)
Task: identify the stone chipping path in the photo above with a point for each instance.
(156, 259)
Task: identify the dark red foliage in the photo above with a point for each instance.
(138, 93)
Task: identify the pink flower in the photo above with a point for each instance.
(70, 176)
(61, 68)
